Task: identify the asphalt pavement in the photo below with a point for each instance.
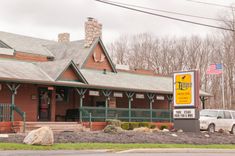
(135, 152)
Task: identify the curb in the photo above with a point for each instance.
(178, 150)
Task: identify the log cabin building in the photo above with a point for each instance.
(45, 80)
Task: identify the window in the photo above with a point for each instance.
(208, 113)
(62, 94)
(233, 114)
(100, 103)
(221, 114)
(227, 115)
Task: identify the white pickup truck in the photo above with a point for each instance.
(215, 119)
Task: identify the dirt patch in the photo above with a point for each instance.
(134, 137)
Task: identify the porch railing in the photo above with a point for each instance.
(22, 114)
(6, 113)
(98, 114)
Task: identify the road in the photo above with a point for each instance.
(149, 152)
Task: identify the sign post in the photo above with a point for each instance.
(186, 101)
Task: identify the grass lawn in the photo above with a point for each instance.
(110, 146)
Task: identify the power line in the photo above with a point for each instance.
(214, 4)
(165, 11)
(163, 16)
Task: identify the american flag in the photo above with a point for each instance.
(215, 69)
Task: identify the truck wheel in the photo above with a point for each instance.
(211, 128)
(233, 129)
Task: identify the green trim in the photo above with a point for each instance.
(81, 93)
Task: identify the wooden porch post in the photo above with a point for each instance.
(53, 104)
(107, 94)
(81, 93)
(130, 98)
(151, 100)
(13, 87)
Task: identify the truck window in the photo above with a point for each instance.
(227, 115)
(221, 114)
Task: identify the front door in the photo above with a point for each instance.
(44, 106)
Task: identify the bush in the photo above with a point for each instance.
(144, 124)
(133, 125)
(125, 126)
(152, 126)
(114, 122)
(112, 129)
(163, 127)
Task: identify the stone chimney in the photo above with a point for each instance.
(64, 37)
(93, 30)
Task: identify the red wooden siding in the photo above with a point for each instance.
(91, 64)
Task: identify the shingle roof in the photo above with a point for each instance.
(10, 69)
(130, 81)
(72, 50)
(54, 68)
(64, 53)
(26, 44)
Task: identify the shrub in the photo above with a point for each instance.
(144, 124)
(133, 125)
(163, 127)
(125, 126)
(114, 122)
(112, 129)
(152, 126)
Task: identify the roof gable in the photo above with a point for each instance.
(62, 70)
(98, 58)
(71, 73)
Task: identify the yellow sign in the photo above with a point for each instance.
(183, 89)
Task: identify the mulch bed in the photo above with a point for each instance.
(134, 137)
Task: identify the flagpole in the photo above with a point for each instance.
(222, 79)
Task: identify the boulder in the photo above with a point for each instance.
(174, 135)
(165, 130)
(142, 129)
(155, 130)
(112, 129)
(207, 136)
(41, 136)
(180, 131)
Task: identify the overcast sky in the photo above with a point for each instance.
(47, 18)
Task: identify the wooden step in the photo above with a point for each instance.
(55, 126)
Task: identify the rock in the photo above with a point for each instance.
(142, 129)
(155, 130)
(206, 135)
(220, 131)
(41, 136)
(112, 129)
(165, 130)
(174, 135)
(173, 130)
(180, 131)
(227, 132)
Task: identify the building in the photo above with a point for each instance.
(76, 81)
